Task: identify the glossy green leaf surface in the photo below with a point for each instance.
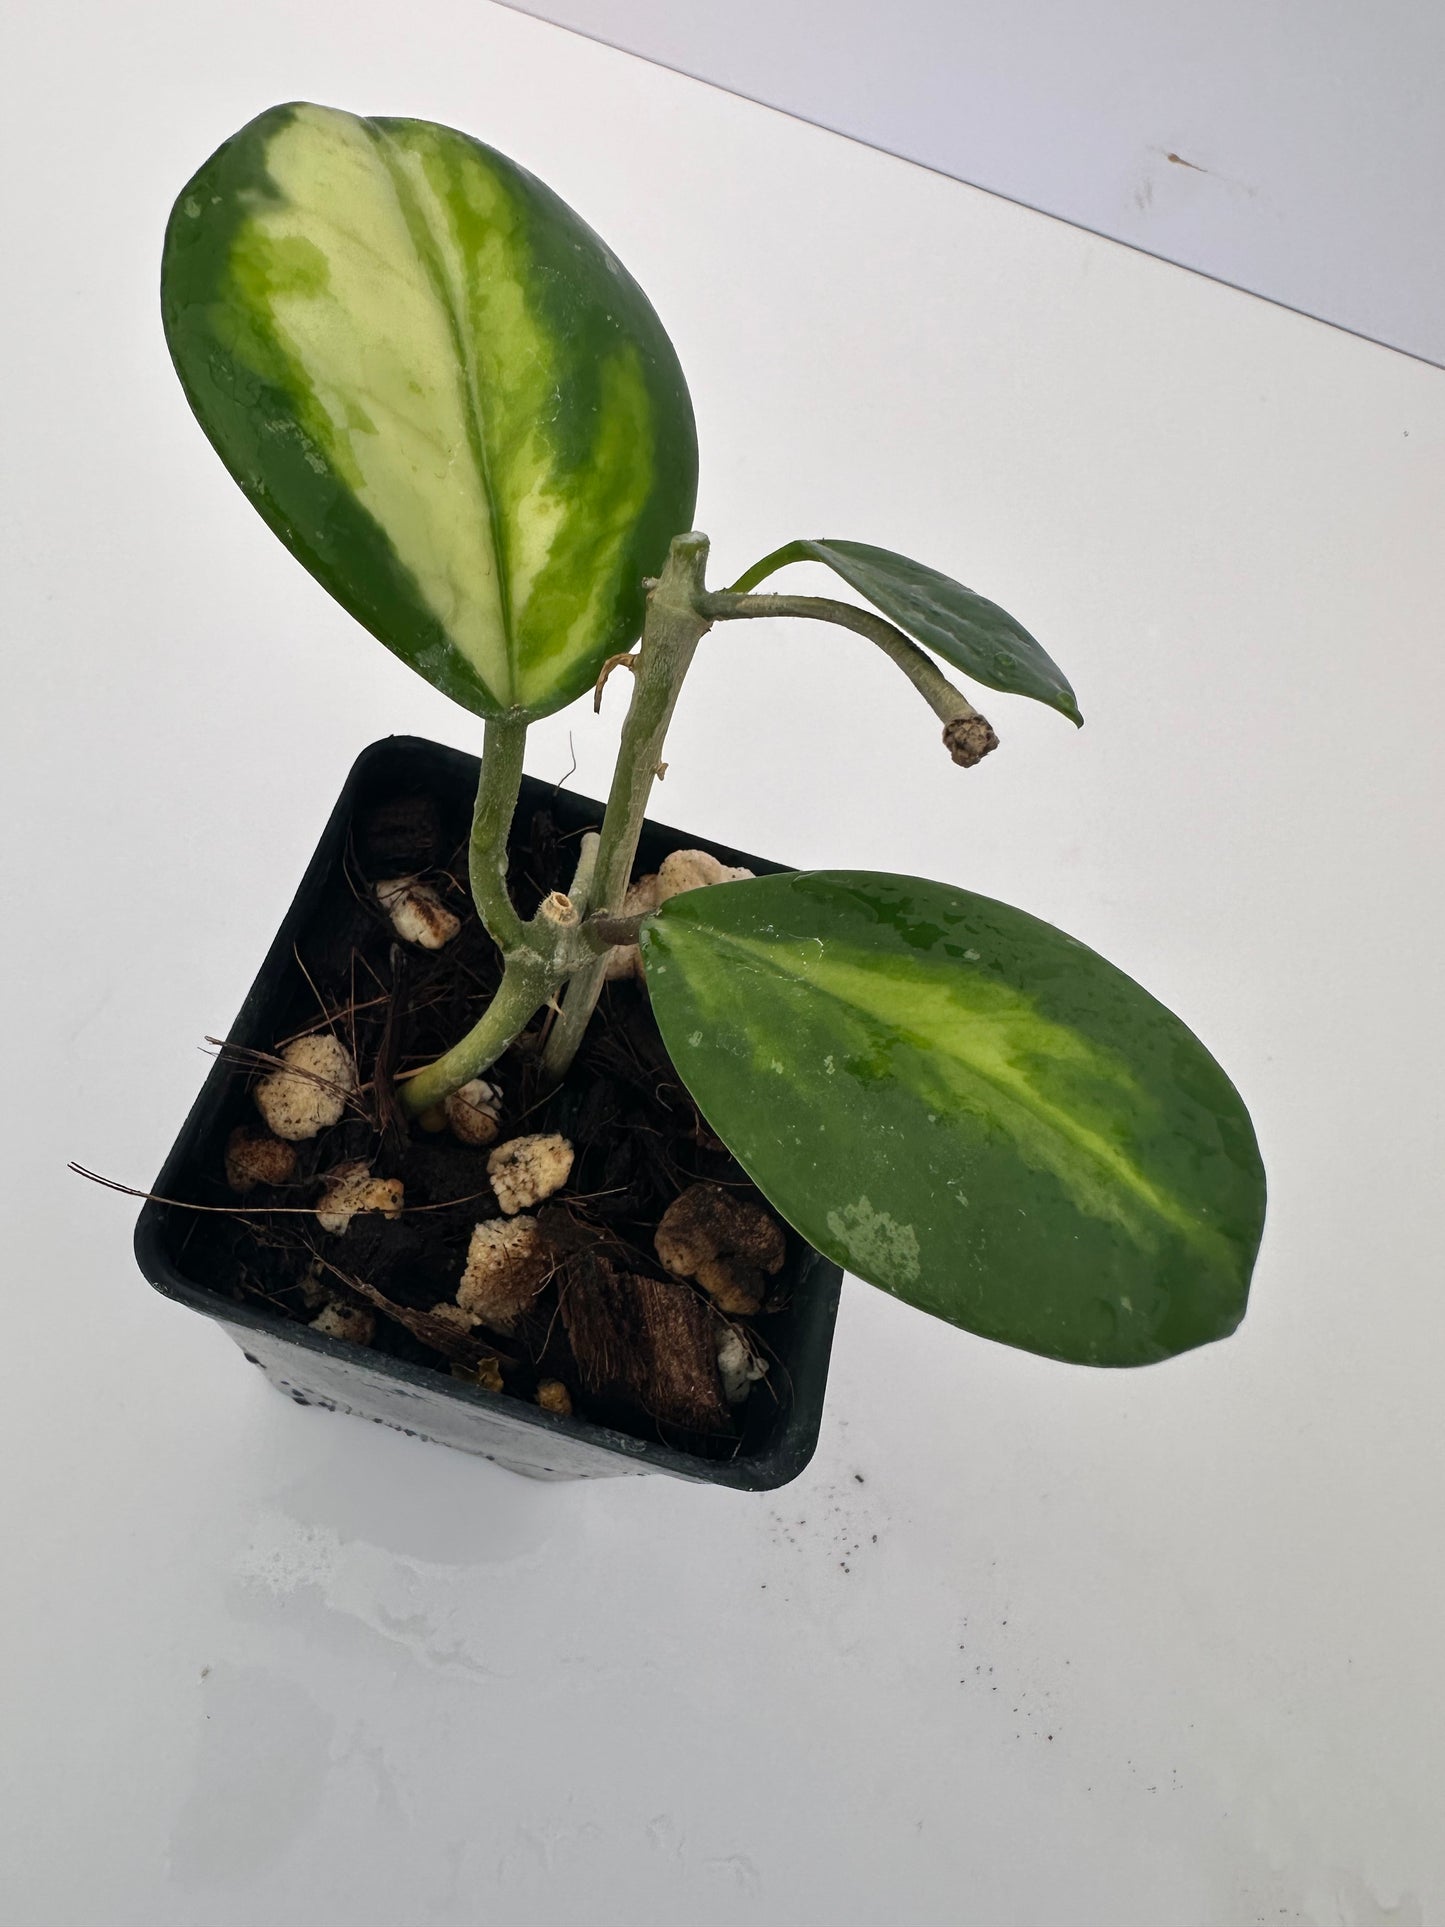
(966, 1107)
(440, 389)
(965, 629)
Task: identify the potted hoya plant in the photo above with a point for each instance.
(546, 1130)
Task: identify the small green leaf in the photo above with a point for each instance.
(966, 1107)
(967, 630)
(440, 389)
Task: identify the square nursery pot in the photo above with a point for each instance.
(777, 1433)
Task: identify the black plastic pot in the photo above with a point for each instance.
(413, 1398)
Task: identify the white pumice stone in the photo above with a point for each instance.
(350, 1189)
(682, 871)
(346, 1321)
(474, 1112)
(625, 959)
(738, 1366)
(525, 1170)
(693, 870)
(254, 1157)
(643, 895)
(310, 1095)
(417, 913)
(454, 1315)
(507, 1264)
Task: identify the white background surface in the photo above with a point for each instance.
(1027, 1646)
(1311, 129)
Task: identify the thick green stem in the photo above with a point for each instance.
(673, 629)
(503, 744)
(524, 988)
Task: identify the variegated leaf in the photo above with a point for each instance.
(965, 1106)
(439, 388)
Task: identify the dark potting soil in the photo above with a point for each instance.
(634, 1347)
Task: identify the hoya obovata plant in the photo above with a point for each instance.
(458, 410)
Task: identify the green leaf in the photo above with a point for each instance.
(967, 630)
(966, 1107)
(439, 388)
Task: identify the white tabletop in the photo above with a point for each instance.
(1027, 1646)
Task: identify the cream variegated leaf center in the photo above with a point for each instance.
(967, 1107)
(387, 402)
(983, 1047)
